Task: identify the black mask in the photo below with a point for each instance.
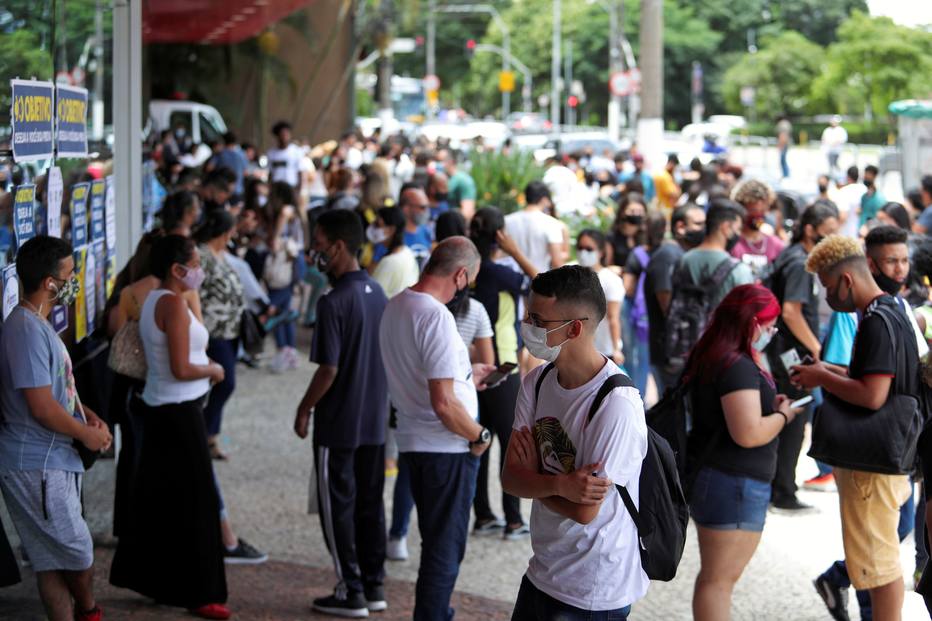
(732, 242)
(837, 304)
(889, 285)
(823, 189)
(440, 197)
(459, 301)
(635, 220)
(868, 183)
(818, 238)
(693, 238)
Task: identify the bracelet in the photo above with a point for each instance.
(786, 421)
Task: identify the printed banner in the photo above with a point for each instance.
(79, 214)
(71, 112)
(80, 304)
(31, 116)
(98, 196)
(111, 271)
(110, 215)
(55, 192)
(24, 213)
(59, 318)
(100, 274)
(10, 289)
(90, 283)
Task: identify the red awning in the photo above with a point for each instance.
(211, 22)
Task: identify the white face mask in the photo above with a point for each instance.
(763, 340)
(587, 258)
(262, 200)
(375, 234)
(535, 339)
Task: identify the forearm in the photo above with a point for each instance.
(614, 327)
(187, 372)
(322, 381)
(581, 514)
(525, 483)
(56, 419)
(836, 369)
(853, 391)
(526, 266)
(800, 329)
(457, 420)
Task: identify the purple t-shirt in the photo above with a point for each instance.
(759, 254)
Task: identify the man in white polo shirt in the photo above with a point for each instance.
(433, 387)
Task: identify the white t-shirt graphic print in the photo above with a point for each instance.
(596, 566)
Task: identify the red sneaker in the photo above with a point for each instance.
(212, 611)
(823, 483)
(94, 614)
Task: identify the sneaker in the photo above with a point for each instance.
(792, 506)
(396, 549)
(212, 611)
(94, 614)
(244, 554)
(292, 358)
(279, 362)
(375, 599)
(488, 527)
(835, 598)
(353, 606)
(516, 533)
(822, 483)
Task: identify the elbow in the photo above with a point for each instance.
(586, 514)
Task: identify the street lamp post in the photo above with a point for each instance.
(431, 68)
(618, 47)
(506, 39)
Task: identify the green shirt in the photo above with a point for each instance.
(870, 205)
(702, 263)
(461, 187)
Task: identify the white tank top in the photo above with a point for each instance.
(162, 387)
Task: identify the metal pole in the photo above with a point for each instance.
(614, 65)
(97, 119)
(431, 68)
(127, 125)
(650, 126)
(555, 67)
(568, 81)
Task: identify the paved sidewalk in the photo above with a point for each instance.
(265, 485)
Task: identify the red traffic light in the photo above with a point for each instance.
(573, 101)
(471, 44)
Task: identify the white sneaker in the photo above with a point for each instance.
(279, 363)
(397, 549)
(292, 358)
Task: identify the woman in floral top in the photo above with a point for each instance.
(222, 304)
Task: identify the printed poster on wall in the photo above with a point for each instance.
(24, 213)
(111, 229)
(55, 193)
(100, 274)
(59, 318)
(10, 289)
(80, 304)
(90, 282)
(79, 214)
(98, 196)
(31, 119)
(71, 112)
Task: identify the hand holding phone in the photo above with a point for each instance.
(804, 401)
(499, 374)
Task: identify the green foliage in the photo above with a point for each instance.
(781, 74)
(501, 178)
(20, 56)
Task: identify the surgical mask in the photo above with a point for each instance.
(837, 304)
(375, 234)
(421, 217)
(763, 340)
(67, 293)
(889, 285)
(535, 339)
(587, 258)
(693, 238)
(732, 242)
(193, 277)
(262, 200)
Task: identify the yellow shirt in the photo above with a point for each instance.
(667, 190)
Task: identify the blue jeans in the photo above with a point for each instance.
(223, 352)
(285, 331)
(535, 605)
(784, 166)
(402, 503)
(636, 349)
(443, 486)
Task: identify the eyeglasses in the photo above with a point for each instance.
(537, 321)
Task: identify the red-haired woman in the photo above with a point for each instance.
(737, 416)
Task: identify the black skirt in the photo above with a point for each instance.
(170, 549)
(125, 411)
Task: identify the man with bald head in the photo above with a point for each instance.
(433, 387)
(416, 209)
(438, 194)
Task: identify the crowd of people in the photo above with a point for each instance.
(465, 325)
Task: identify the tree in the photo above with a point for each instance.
(874, 63)
(781, 74)
(20, 56)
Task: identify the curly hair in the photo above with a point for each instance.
(752, 191)
(831, 251)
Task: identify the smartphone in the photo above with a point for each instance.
(499, 374)
(801, 402)
(790, 359)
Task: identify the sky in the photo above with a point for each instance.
(904, 12)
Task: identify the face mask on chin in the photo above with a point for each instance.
(887, 284)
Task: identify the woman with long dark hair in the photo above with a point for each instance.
(397, 269)
(629, 229)
(180, 212)
(732, 447)
(285, 238)
(590, 252)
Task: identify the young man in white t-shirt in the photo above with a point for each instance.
(586, 557)
(287, 161)
(539, 236)
(433, 387)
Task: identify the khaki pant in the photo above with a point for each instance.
(870, 512)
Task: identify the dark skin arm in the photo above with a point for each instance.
(320, 384)
(868, 392)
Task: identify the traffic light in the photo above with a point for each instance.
(470, 48)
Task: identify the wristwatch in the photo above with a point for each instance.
(485, 436)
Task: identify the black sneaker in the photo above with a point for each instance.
(516, 533)
(491, 526)
(792, 506)
(835, 598)
(375, 598)
(353, 606)
(244, 554)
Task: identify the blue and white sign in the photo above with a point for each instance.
(59, 318)
(98, 201)
(79, 215)
(32, 119)
(10, 289)
(24, 213)
(71, 113)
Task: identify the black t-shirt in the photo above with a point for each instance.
(874, 353)
(709, 423)
(493, 280)
(792, 283)
(620, 248)
(659, 277)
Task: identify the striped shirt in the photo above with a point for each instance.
(474, 324)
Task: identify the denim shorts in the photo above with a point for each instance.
(723, 501)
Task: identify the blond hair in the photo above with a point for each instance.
(752, 191)
(831, 251)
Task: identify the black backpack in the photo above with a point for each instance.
(662, 518)
(690, 308)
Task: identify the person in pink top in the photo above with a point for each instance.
(758, 246)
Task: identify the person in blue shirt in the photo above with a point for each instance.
(232, 158)
(647, 180)
(416, 208)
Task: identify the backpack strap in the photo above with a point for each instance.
(722, 270)
(540, 382)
